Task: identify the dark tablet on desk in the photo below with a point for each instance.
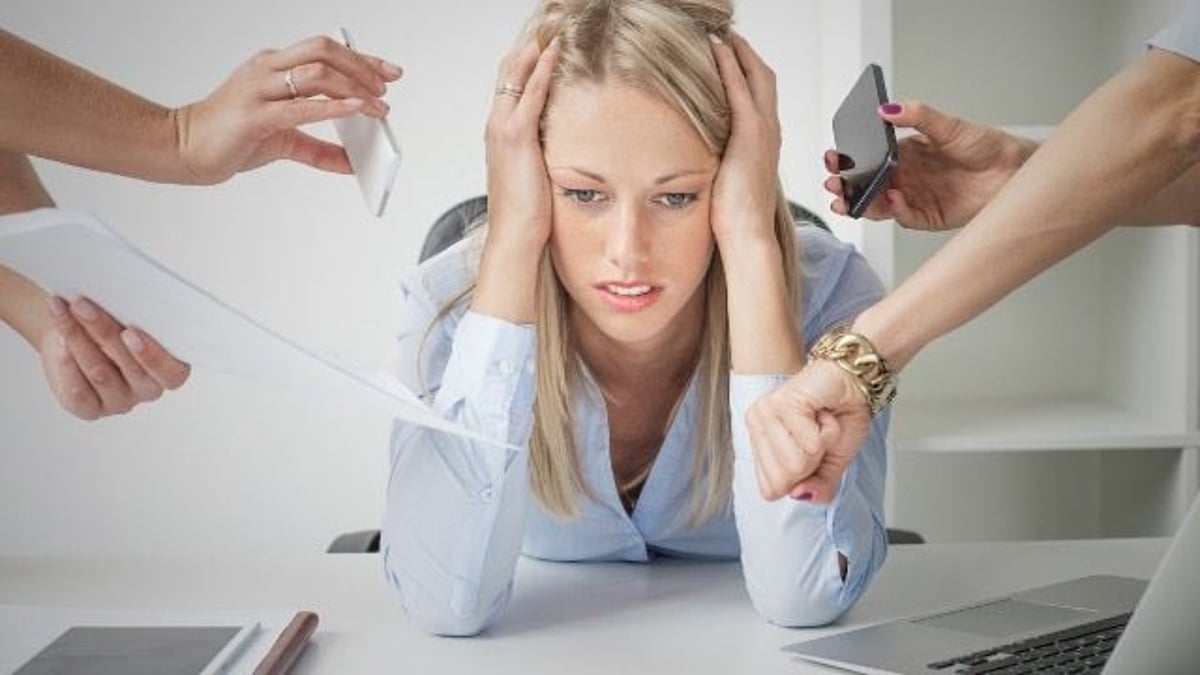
(140, 650)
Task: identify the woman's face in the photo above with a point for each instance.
(631, 182)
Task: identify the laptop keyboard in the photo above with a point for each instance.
(1078, 650)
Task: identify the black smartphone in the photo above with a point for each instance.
(866, 144)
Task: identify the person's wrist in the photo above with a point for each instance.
(855, 355)
(179, 151)
(890, 338)
(506, 284)
(751, 246)
(24, 307)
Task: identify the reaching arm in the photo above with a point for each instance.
(52, 108)
(1130, 140)
(22, 303)
(1126, 153)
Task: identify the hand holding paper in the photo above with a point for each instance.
(98, 367)
(73, 254)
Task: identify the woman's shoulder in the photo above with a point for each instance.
(837, 280)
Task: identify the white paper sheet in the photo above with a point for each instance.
(73, 254)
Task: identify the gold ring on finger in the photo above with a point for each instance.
(290, 81)
(509, 89)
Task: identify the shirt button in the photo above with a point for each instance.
(505, 367)
(486, 494)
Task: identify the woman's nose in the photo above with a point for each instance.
(627, 247)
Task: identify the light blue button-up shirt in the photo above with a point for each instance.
(459, 513)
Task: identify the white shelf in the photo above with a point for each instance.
(1072, 407)
(1029, 425)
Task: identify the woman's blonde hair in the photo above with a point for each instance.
(661, 47)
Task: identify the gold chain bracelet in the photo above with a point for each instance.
(856, 355)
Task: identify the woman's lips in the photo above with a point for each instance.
(629, 297)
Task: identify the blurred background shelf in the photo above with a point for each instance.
(1072, 407)
(1029, 425)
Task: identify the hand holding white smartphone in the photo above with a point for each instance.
(372, 149)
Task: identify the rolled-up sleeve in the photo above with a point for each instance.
(455, 509)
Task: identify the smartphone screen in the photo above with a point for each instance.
(866, 144)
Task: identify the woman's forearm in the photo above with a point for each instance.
(1122, 146)
(763, 335)
(55, 109)
(22, 303)
(23, 306)
(1176, 204)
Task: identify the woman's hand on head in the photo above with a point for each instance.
(746, 189)
(97, 367)
(253, 117)
(806, 432)
(518, 188)
(947, 171)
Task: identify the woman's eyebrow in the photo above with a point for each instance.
(667, 178)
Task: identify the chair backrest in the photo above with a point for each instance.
(452, 226)
(461, 218)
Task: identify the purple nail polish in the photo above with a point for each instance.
(805, 497)
(892, 108)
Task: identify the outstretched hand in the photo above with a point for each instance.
(946, 172)
(97, 367)
(252, 118)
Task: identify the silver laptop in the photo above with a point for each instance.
(1086, 625)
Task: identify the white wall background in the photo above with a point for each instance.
(224, 465)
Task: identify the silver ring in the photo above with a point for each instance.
(291, 83)
(508, 89)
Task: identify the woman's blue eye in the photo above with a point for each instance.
(582, 196)
(677, 200)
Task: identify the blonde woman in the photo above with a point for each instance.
(638, 284)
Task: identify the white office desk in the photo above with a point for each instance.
(663, 617)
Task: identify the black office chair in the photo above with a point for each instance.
(449, 229)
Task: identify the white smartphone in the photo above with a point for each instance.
(372, 149)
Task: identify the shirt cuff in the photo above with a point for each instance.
(491, 367)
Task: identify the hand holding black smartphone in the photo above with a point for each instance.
(866, 144)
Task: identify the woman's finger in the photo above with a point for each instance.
(759, 76)
(169, 371)
(513, 74)
(326, 50)
(70, 387)
(759, 443)
(736, 87)
(537, 87)
(833, 185)
(300, 147)
(105, 379)
(831, 161)
(285, 115)
(390, 71)
(106, 334)
(314, 79)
